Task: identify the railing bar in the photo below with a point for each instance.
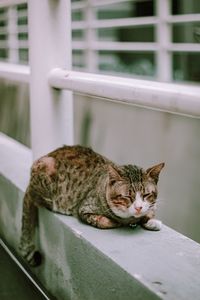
(19, 15)
(78, 5)
(124, 46)
(6, 3)
(3, 17)
(79, 25)
(163, 38)
(184, 18)
(22, 14)
(139, 21)
(19, 73)
(20, 29)
(110, 2)
(12, 37)
(169, 92)
(115, 23)
(83, 5)
(4, 30)
(135, 46)
(4, 44)
(19, 44)
(173, 98)
(183, 47)
(90, 35)
(14, 45)
(116, 46)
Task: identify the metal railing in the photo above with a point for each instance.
(50, 74)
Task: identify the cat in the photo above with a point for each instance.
(75, 180)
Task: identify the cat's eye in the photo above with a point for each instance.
(129, 198)
(146, 195)
(124, 197)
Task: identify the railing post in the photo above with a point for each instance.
(163, 56)
(90, 54)
(50, 47)
(12, 37)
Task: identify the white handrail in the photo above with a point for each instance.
(170, 97)
(174, 98)
(15, 72)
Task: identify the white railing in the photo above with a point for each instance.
(88, 48)
(174, 98)
(49, 76)
(177, 99)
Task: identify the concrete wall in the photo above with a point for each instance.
(140, 136)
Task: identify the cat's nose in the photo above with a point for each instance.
(138, 209)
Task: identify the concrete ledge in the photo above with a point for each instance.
(85, 263)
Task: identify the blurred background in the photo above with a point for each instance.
(146, 39)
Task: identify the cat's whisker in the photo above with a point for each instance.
(160, 201)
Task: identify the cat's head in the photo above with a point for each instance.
(132, 191)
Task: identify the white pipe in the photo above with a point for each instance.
(174, 98)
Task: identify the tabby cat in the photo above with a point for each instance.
(75, 180)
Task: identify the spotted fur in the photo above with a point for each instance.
(75, 180)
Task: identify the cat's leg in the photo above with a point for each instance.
(87, 215)
(29, 220)
(99, 221)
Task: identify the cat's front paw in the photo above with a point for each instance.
(153, 224)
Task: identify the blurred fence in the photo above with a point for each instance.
(151, 38)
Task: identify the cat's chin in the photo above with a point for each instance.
(128, 214)
(138, 216)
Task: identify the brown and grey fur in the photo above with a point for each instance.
(75, 180)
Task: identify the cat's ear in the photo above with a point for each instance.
(154, 171)
(113, 175)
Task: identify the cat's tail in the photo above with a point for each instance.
(29, 220)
